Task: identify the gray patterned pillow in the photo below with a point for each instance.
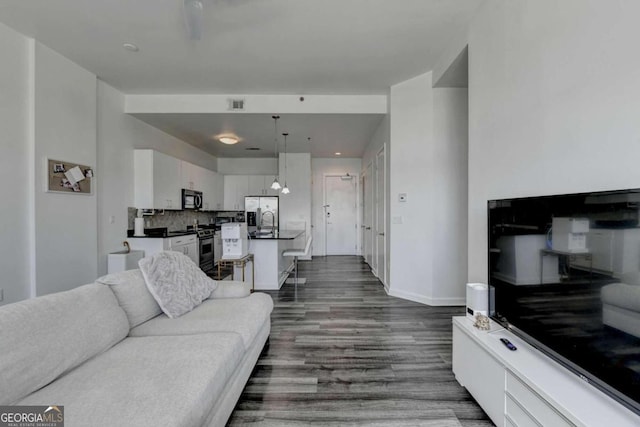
(177, 284)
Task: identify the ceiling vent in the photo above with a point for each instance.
(236, 104)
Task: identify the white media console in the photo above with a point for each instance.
(525, 387)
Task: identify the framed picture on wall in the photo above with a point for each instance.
(68, 177)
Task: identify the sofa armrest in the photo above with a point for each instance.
(231, 289)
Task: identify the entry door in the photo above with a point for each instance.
(381, 254)
(341, 215)
(367, 221)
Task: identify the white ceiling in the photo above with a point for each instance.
(329, 133)
(249, 47)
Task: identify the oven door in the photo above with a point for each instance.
(206, 252)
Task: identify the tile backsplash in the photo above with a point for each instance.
(177, 220)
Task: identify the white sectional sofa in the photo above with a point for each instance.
(107, 353)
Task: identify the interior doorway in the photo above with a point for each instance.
(341, 214)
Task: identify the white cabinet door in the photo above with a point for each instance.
(236, 187)
(208, 189)
(187, 175)
(166, 182)
(218, 192)
(157, 180)
(256, 185)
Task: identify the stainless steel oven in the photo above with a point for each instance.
(205, 240)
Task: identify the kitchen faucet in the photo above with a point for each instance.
(273, 220)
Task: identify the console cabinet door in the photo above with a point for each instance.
(480, 374)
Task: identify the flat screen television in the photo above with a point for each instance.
(564, 275)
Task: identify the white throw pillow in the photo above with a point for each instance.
(133, 296)
(177, 284)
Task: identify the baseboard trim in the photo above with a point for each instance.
(422, 299)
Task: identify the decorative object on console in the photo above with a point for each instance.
(482, 322)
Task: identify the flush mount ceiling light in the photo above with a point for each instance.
(276, 185)
(130, 47)
(228, 139)
(338, 154)
(285, 189)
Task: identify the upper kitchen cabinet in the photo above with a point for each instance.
(212, 190)
(236, 187)
(191, 176)
(157, 180)
(260, 185)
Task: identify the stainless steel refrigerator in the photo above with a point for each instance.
(261, 211)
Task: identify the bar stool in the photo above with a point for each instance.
(296, 254)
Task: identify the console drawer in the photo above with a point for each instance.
(531, 404)
(517, 416)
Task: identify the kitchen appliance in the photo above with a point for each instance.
(261, 212)
(207, 250)
(191, 199)
(234, 240)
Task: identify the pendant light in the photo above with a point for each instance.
(276, 185)
(285, 189)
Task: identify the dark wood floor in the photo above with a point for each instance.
(344, 353)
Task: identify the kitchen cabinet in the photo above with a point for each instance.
(187, 245)
(212, 190)
(157, 179)
(236, 187)
(260, 185)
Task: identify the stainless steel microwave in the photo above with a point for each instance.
(191, 199)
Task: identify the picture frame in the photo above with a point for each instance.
(68, 177)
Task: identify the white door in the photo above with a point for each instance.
(381, 255)
(340, 214)
(368, 217)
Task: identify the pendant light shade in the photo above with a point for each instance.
(276, 184)
(285, 189)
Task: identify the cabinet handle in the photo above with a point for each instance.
(380, 234)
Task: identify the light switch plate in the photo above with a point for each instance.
(402, 197)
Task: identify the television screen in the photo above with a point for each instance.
(564, 274)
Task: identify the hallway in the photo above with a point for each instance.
(342, 352)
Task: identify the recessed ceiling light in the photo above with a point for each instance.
(338, 154)
(130, 47)
(228, 139)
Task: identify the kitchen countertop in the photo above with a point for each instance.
(279, 235)
(160, 233)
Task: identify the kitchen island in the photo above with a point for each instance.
(271, 268)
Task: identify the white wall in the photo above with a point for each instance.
(14, 165)
(319, 168)
(428, 149)
(247, 166)
(411, 130)
(118, 135)
(554, 101)
(64, 106)
(449, 189)
(296, 206)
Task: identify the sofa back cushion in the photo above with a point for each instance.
(133, 296)
(44, 337)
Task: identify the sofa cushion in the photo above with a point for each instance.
(215, 315)
(148, 381)
(44, 337)
(176, 282)
(133, 295)
(231, 289)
